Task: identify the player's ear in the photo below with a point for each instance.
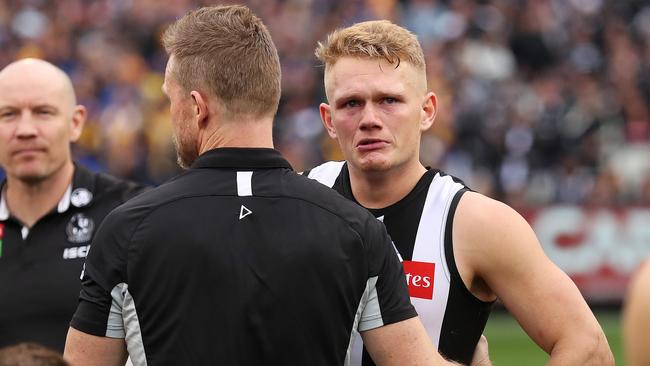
(429, 111)
(77, 122)
(326, 117)
(200, 108)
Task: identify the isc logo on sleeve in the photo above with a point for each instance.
(419, 277)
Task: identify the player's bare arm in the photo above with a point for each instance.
(504, 259)
(636, 318)
(82, 349)
(481, 353)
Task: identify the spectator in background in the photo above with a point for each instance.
(50, 206)
(636, 318)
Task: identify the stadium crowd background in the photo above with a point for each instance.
(541, 101)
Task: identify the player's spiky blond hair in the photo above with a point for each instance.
(379, 39)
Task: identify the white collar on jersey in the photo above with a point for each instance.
(63, 205)
(4, 210)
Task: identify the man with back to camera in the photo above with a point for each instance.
(461, 250)
(50, 207)
(238, 261)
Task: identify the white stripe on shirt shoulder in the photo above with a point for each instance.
(327, 173)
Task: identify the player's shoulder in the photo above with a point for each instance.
(483, 209)
(325, 173)
(332, 166)
(484, 222)
(442, 177)
(479, 218)
(492, 240)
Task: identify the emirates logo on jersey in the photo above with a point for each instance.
(419, 277)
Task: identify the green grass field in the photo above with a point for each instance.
(510, 346)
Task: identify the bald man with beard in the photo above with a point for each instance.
(50, 207)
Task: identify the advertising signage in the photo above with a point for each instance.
(599, 248)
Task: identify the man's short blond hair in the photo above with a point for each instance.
(227, 52)
(378, 39)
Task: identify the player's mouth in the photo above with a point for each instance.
(26, 152)
(371, 144)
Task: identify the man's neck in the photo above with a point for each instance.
(384, 188)
(29, 201)
(240, 133)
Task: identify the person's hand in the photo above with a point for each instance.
(481, 355)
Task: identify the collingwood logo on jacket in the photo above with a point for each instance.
(80, 228)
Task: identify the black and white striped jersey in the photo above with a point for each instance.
(420, 227)
(240, 261)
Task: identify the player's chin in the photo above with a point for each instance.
(374, 164)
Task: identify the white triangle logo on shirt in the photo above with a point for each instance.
(244, 211)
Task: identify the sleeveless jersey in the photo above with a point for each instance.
(420, 225)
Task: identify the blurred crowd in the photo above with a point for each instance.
(540, 101)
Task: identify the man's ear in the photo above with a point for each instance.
(326, 118)
(429, 111)
(77, 122)
(200, 108)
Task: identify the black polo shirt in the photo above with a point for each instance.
(40, 267)
(240, 261)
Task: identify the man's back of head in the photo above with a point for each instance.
(227, 52)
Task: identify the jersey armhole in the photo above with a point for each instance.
(454, 276)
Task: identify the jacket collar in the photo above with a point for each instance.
(79, 193)
(241, 158)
